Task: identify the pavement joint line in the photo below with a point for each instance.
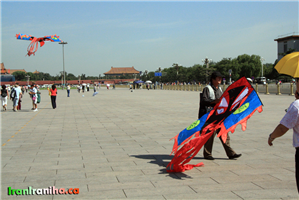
(26, 123)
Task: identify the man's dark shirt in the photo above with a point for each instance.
(205, 101)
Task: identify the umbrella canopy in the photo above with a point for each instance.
(139, 82)
(148, 82)
(289, 65)
(249, 79)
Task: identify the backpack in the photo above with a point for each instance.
(3, 93)
(13, 93)
(38, 97)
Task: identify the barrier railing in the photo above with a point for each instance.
(286, 88)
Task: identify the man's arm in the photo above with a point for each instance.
(279, 131)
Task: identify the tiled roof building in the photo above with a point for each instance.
(9, 71)
(118, 71)
(17, 70)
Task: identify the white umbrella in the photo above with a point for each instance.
(249, 79)
(83, 83)
(148, 82)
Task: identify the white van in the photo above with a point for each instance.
(260, 80)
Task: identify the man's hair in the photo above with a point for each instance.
(17, 83)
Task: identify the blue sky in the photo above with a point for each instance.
(145, 35)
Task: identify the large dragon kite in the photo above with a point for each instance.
(33, 46)
(237, 104)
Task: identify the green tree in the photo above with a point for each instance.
(32, 76)
(71, 76)
(19, 75)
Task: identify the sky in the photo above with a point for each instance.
(143, 34)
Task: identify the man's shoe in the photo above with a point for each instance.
(209, 158)
(235, 156)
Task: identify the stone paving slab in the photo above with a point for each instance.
(116, 146)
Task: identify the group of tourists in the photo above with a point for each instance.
(16, 93)
(85, 87)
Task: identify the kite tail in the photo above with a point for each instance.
(32, 48)
(186, 153)
(176, 146)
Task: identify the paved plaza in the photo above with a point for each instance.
(116, 146)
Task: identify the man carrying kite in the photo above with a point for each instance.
(208, 99)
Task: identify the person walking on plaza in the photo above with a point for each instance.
(68, 88)
(19, 103)
(4, 95)
(290, 121)
(33, 95)
(15, 95)
(23, 89)
(53, 91)
(209, 97)
(83, 87)
(87, 86)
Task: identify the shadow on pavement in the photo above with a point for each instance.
(159, 159)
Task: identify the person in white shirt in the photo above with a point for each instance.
(18, 95)
(33, 95)
(68, 87)
(290, 121)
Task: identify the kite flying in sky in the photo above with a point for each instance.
(236, 106)
(33, 46)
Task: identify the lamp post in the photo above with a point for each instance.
(262, 60)
(28, 77)
(61, 79)
(63, 43)
(177, 66)
(207, 61)
(79, 79)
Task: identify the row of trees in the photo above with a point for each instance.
(21, 76)
(243, 65)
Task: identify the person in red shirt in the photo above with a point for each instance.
(53, 92)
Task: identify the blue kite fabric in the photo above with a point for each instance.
(33, 46)
(237, 104)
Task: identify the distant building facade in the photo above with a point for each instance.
(119, 71)
(285, 43)
(10, 71)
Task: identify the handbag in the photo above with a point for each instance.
(34, 98)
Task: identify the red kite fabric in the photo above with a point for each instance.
(237, 104)
(33, 46)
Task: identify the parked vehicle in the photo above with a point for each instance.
(260, 80)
